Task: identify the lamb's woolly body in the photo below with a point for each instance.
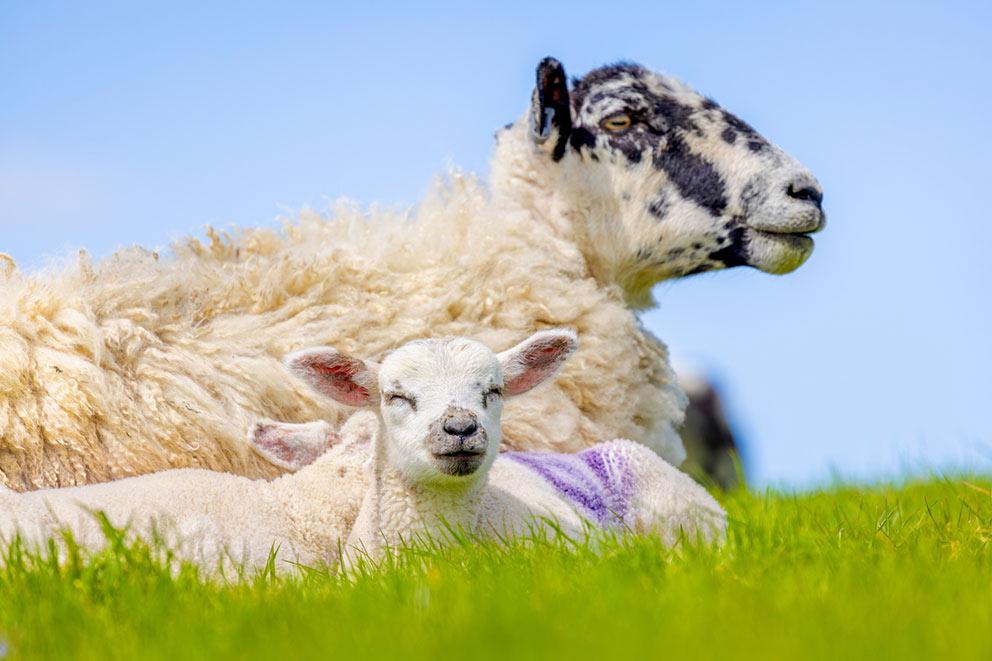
(208, 517)
(615, 485)
(637, 491)
(211, 518)
(413, 488)
(200, 513)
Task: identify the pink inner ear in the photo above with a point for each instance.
(292, 444)
(339, 380)
(281, 449)
(335, 377)
(538, 362)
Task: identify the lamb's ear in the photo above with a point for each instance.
(342, 378)
(550, 109)
(536, 358)
(291, 446)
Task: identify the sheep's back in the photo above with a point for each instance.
(139, 363)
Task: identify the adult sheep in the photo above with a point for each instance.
(137, 364)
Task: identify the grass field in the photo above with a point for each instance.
(895, 572)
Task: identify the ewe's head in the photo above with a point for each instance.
(440, 400)
(668, 181)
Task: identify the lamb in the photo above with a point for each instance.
(137, 363)
(436, 463)
(215, 520)
(433, 442)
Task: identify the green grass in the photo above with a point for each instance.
(887, 572)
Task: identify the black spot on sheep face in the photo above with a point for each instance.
(688, 186)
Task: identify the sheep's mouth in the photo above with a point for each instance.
(776, 244)
(796, 233)
(777, 252)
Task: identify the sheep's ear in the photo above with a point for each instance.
(550, 109)
(342, 378)
(536, 358)
(291, 446)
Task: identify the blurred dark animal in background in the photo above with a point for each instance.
(712, 447)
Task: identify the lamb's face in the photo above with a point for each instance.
(690, 186)
(441, 402)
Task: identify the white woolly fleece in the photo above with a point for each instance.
(139, 363)
(213, 518)
(618, 485)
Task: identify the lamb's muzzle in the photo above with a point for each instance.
(458, 443)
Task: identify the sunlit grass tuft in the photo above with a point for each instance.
(887, 572)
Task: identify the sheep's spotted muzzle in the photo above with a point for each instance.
(782, 251)
(777, 238)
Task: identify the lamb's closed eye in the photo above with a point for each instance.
(492, 395)
(399, 398)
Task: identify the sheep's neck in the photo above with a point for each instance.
(523, 179)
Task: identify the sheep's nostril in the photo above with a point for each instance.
(460, 426)
(805, 193)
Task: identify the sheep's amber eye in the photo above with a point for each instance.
(619, 122)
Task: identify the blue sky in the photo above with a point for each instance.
(122, 125)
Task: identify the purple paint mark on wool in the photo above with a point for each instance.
(564, 477)
(590, 480)
(614, 473)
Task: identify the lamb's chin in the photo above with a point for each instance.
(458, 465)
(777, 253)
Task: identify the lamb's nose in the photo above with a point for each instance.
(460, 425)
(804, 191)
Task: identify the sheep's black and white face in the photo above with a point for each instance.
(693, 187)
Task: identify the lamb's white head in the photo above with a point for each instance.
(670, 183)
(440, 400)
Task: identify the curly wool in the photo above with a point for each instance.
(215, 520)
(140, 363)
(616, 485)
(206, 517)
